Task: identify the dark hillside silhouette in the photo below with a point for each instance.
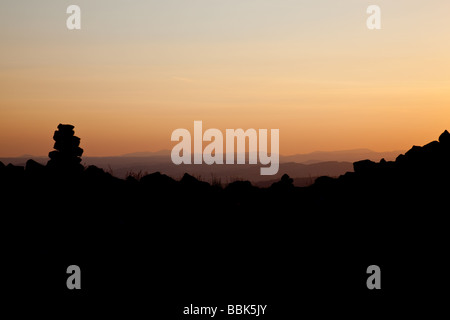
(185, 239)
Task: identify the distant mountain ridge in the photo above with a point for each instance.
(121, 167)
(304, 168)
(341, 155)
(147, 154)
(350, 155)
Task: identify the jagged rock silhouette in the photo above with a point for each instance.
(67, 156)
(444, 138)
(286, 183)
(392, 212)
(427, 159)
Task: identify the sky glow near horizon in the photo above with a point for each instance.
(137, 70)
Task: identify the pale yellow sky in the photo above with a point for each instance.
(138, 70)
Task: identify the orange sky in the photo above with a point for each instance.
(135, 72)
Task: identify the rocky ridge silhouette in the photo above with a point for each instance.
(181, 234)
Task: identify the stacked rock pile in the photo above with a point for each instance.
(67, 155)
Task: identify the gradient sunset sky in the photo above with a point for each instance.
(137, 70)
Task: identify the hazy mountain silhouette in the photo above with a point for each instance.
(304, 168)
(305, 158)
(121, 167)
(148, 154)
(342, 156)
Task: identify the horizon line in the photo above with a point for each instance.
(161, 151)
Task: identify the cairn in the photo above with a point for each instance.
(67, 156)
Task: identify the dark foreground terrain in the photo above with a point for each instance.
(155, 245)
